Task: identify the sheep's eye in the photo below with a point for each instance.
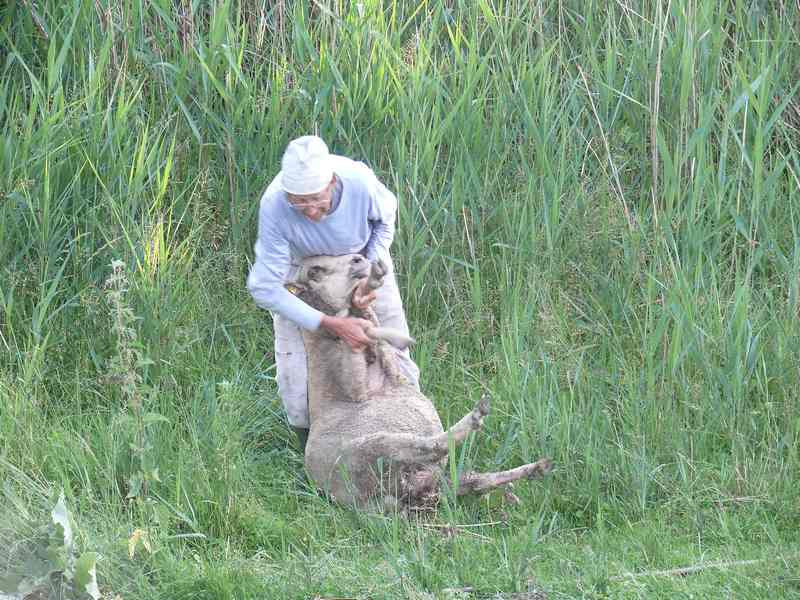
(316, 272)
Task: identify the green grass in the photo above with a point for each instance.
(599, 224)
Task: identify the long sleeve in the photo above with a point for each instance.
(267, 275)
(382, 217)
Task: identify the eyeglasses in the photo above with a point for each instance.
(319, 203)
(318, 200)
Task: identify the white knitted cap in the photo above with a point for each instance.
(306, 166)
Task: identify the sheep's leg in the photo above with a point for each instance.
(471, 483)
(384, 354)
(374, 280)
(414, 459)
(473, 421)
(377, 272)
(410, 448)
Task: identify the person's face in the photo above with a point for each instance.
(313, 206)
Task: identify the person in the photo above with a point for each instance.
(321, 203)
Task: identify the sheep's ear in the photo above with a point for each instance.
(311, 297)
(295, 288)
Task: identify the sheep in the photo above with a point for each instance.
(374, 439)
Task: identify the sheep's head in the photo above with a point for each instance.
(327, 282)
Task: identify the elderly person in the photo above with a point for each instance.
(321, 203)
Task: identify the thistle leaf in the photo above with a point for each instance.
(86, 574)
(137, 536)
(134, 486)
(61, 517)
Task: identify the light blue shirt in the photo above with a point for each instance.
(362, 222)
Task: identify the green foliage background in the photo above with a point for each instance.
(598, 224)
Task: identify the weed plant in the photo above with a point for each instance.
(598, 224)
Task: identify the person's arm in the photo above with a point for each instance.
(266, 279)
(382, 216)
(266, 284)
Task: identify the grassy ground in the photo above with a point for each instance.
(599, 219)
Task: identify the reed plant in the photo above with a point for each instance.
(599, 225)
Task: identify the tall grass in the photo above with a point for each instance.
(598, 224)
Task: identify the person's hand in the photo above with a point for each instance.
(363, 296)
(349, 329)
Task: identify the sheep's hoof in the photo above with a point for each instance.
(479, 412)
(483, 406)
(543, 467)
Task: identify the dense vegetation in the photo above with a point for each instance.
(599, 214)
